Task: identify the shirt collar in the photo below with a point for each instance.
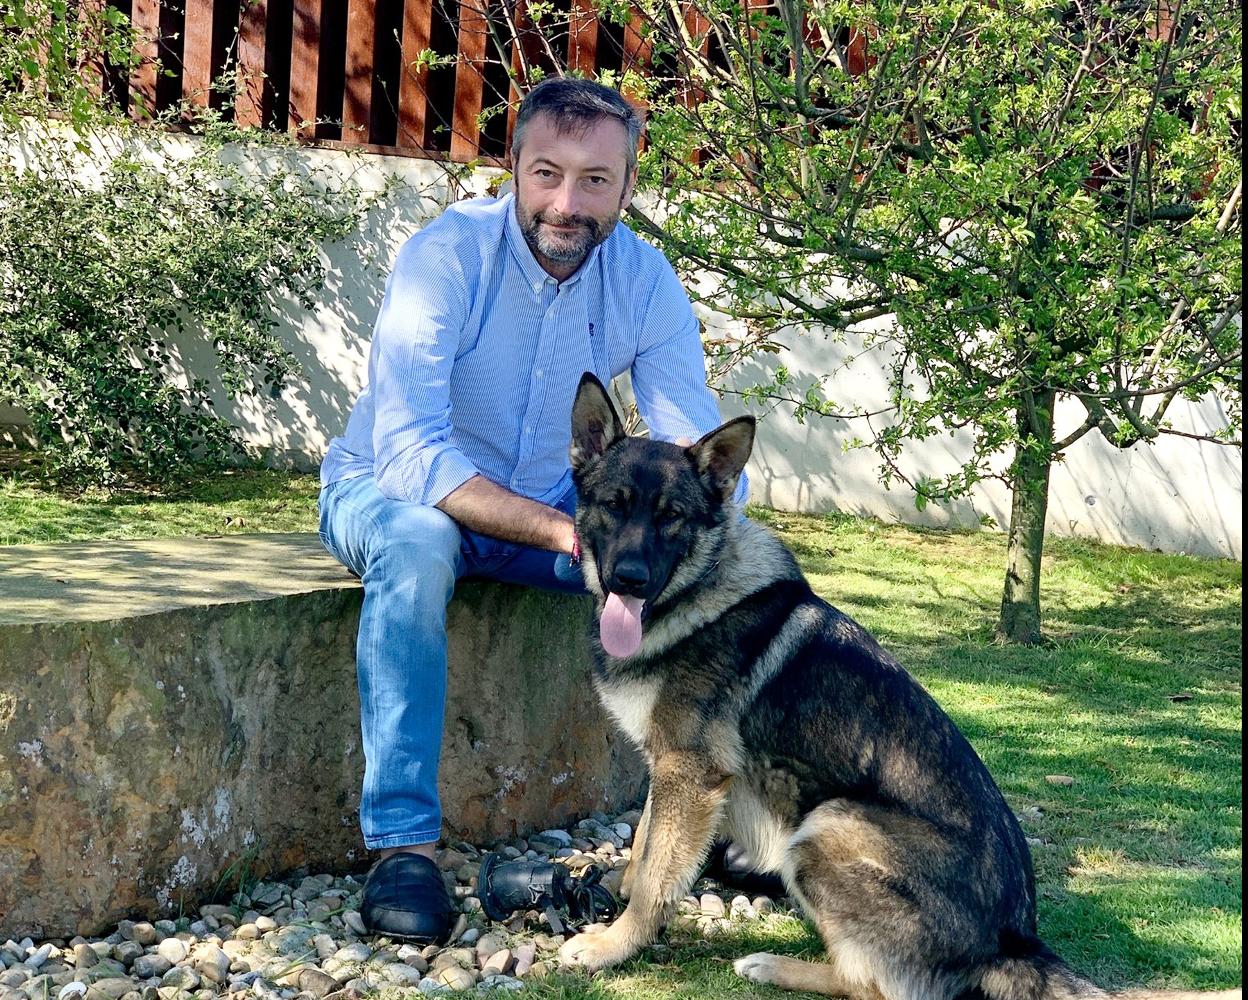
(533, 272)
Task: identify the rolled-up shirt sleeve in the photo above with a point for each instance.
(669, 372)
(414, 346)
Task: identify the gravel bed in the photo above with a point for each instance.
(303, 939)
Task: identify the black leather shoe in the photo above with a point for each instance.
(405, 897)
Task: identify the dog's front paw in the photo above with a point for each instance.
(595, 951)
(757, 968)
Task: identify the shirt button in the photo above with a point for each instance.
(538, 373)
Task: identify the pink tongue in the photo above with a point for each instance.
(620, 625)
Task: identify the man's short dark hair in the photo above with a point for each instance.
(576, 105)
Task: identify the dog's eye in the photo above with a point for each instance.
(671, 515)
(616, 503)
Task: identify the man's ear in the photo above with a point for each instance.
(595, 424)
(721, 455)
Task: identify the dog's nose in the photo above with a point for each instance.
(631, 575)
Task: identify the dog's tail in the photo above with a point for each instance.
(1033, 972)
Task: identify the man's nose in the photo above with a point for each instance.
(567, 201)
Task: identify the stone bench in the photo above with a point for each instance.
(172, 708)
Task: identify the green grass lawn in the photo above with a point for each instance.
(222, 504)
(1137, 697)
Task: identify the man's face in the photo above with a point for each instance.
(570, 188)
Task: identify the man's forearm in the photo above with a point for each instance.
(488, 509)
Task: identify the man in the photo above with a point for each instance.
(455, 458)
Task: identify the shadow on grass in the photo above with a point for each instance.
(1093, 939)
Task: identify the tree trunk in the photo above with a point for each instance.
(1020, 603)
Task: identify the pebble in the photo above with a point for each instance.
(127, 951)
(105, 968)
(451, 860)
(109, 989)
(145, 934)
(458, 979)
(357, 951)
(401, 974)
(38, 956)
(84, 956)
(304, 939)
(265, 990)
(211, 963)
(148, 966)
(172, 950)
(498, 964)
(524, 958)
(182, 977)
(293, 941)
(317, 983)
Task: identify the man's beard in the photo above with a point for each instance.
(570, 248)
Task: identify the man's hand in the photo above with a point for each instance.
(488, 509)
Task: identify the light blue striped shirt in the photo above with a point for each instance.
(477, 353)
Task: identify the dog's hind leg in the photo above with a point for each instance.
(857, 871)
(796, 974)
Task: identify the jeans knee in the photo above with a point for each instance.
(420, 544)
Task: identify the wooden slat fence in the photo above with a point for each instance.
(350, 72)
(347, 71)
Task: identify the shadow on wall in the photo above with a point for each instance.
(812, 466)
(331, 340)
(1177, 495)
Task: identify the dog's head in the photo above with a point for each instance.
(650, 515)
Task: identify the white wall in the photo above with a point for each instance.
(1176, 495)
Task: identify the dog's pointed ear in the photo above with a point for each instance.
(722, 454)
(595, 424)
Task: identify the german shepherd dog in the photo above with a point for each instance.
(767, 716)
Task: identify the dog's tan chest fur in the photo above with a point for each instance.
(631, 704)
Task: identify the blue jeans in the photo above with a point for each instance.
(408, 557)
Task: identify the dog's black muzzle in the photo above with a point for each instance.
(630, 576)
